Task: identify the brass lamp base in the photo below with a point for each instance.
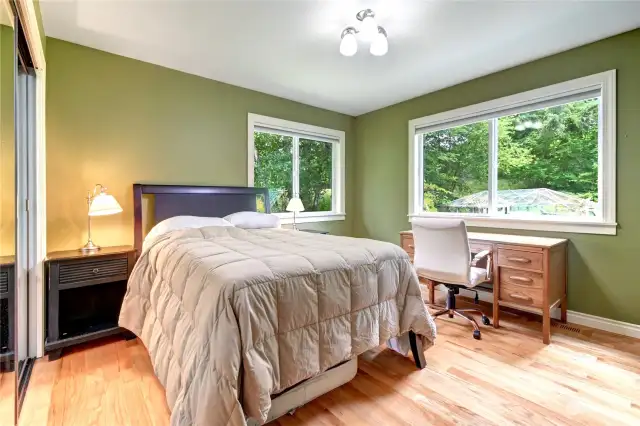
(90, 247)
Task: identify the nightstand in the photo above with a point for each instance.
(314, 231)
(7, 274)
(84, 295)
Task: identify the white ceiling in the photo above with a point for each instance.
(289, 48)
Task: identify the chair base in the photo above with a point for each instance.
(452, 311)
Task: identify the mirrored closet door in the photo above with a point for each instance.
(17, 135)
(24, 93)
(8, 365)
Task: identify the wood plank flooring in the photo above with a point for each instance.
(587, 377)
(7, 401)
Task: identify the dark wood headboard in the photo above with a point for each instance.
(178, 200)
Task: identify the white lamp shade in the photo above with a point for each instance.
(369, 28)
(103, 205)
(295, 205)
(349, 45)
(379, 45)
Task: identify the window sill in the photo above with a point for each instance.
(287, 218)
(551, 225)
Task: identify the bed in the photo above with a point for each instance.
(243, 325)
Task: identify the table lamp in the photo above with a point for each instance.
(99, 203)
(295, 205)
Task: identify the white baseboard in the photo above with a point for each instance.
(605, 324)
(599, 323)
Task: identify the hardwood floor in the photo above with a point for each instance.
(509, 377)
(7, 402)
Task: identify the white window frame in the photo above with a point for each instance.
(299, 130)
(604, 82)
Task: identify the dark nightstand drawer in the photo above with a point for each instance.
(4, 282)
(92, 271)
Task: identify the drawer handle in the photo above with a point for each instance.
(96, 270)
(521, 279)
(521, 297)
(519, 259)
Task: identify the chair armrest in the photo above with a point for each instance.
(478, 257)
(482, 255)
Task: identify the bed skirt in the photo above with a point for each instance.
(310, 390)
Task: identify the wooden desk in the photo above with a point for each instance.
(529, 273)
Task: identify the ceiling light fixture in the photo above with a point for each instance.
(369, 31)
(369, 27)
(379, 44)
(349, 44)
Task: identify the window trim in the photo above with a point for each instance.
(605, 82)
(338, 164)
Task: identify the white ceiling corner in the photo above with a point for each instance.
(290, 48)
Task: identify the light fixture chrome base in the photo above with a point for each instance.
(90, 247)
(364, 13)
(348, 30)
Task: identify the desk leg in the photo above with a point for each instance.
(563, 310)
(496, 311)
(432, 292)
(546, 325)
(496, 292)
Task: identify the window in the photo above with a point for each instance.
(543, 159)
(294, 159)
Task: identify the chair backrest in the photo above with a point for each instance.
(441, 250)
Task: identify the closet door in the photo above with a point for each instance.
(24, 136)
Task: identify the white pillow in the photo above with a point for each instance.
(181, 222)
(253, 220)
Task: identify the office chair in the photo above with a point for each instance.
(442, 255)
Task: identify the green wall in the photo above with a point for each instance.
(7, 145)
(603, 277)
(117, 121)
(43, 37)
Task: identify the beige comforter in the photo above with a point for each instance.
(232, 315)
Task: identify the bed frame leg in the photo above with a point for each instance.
(416, 350)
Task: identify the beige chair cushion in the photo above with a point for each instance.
(476, 276)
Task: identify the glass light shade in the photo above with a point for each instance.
(103, 205)
(537, 125)
(520, 127)
(528, 124)
(295, 205)
(379, 45)
(349, 45)
(369, 28)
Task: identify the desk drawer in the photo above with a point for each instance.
(520, 259)
(520, 278)
(521, 295)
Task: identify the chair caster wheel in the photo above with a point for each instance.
(450, 315)
(476, 334)
(486, 320)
